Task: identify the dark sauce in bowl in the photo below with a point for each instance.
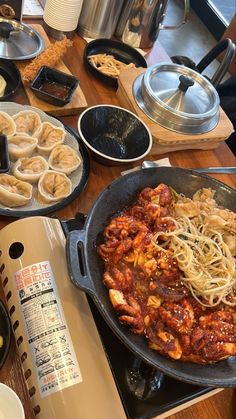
(55, 89)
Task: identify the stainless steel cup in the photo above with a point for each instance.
(98, 18)
(141, 20)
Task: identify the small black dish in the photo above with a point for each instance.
(4, 155)
(54, 86)
(5, 332)
(11, 74)
(119, 50)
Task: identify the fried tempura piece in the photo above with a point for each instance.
(50, 57)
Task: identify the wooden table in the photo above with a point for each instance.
(220, 406)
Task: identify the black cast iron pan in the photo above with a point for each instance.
(86, 267)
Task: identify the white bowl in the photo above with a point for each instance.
(10, 404)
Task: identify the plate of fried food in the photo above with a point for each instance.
(106, 59)
(49, 166)
(50, 57)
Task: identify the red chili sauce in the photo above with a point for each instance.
(53, 88)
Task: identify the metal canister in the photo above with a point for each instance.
(98, 18)
(62, 357)
(141, 20)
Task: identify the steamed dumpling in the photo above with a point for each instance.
(14, 192)
(64, 159)
(49, 136)
(21, 146)
(30, 169)
(54, 186)
(7, 124)
(27, 122)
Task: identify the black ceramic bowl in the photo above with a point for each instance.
(5, 332)
(114, 135)
(11, 74)
(54, 86)
(119, 50)
(4, 155)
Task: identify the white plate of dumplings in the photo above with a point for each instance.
(46, 163)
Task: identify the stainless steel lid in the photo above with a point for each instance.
(19, 41)
(177, 98)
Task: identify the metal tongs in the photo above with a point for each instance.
(229, 170)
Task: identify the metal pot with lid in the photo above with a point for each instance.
(19, 41)
(177, 98)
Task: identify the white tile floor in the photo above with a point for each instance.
(226, 8)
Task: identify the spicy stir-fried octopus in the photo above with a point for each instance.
(146, 291)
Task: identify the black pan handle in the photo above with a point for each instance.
(76, 262)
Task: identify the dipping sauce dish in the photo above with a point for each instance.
(54, 86)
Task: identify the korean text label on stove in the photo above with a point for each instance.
(48, 334)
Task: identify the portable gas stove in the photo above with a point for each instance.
(145, 392)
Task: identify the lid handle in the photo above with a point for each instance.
(5, 29)
(185, 83)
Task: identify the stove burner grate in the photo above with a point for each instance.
(145, 392)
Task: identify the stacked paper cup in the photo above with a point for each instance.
(62, 15)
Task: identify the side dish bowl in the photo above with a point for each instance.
(114, 135)
(120, 51)
(12, 77)
(54, 86)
